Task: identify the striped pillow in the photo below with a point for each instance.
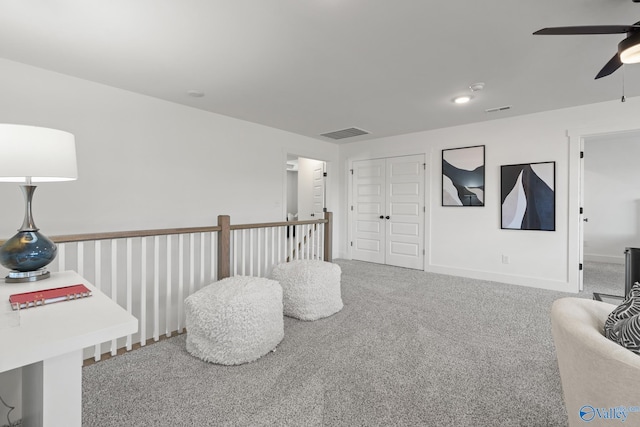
(628, 333)
(623, 323)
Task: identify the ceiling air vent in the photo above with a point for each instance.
(495, 110)
(345, 133)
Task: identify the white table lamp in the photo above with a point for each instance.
(31, 154)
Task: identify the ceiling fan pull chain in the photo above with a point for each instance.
(623, 99)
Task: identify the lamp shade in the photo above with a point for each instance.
(41, 154)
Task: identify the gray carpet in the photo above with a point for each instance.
(408, 349)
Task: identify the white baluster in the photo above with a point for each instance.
(312, 245)
(129, 285)
(244, 252)
(303, 241)
(254, 248)
(322, 242)
(318, 241)
(266, 251)
(169, 301)
(234, 252)
(307, 240)
(156, 288)
(143, 293)
(280, 233)
(202, 262)
(180, 281)
(97, 282)
(214, 257)
(192, 263)
(62, 249)
(80, 258)
(114, 286)
(319, 238)
(273, 242)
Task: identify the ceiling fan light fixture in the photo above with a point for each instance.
(629, 49)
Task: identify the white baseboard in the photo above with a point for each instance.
(533, 282)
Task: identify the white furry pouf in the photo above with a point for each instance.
(235, 320)
(311, 288)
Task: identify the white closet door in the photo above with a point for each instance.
(388, 205)
(368, 211)
(405, 211)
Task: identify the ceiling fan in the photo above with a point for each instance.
(628, 49)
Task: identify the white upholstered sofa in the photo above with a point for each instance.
(599, 378)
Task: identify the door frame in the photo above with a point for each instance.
(427, 199)
(329, 170)
(575, 230)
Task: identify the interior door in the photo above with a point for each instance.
(404, 216)
(310, 189)
(368, 211)
(388, 211)
(318, 190)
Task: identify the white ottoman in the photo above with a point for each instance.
(235, 320)
(311, 288)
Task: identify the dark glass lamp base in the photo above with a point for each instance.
(26, 254)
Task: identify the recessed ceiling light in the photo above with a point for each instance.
(195, 93)
(462, 99)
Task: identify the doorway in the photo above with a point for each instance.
(578, 140)
(611, 196)
(306, 188)
(388, 211)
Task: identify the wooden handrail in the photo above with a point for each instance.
(110, 235)
(278, 224)
(131, 234)
(224, 237)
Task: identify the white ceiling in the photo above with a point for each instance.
(316, 66)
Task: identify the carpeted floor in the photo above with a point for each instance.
(409, 349)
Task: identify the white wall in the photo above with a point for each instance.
(469, 241)
(611, 196)
(147, 163)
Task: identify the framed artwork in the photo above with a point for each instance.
(463, 176)
(528, 196)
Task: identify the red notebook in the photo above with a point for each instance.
(48, 296)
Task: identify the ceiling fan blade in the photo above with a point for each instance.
(588, 29)
(611, 66)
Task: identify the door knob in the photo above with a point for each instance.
(313, 214)
(388, 217)
(586, 219)
(381, 216)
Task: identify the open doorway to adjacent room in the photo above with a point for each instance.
(306, 188)
(611, 201)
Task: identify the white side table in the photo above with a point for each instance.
(48, 346)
